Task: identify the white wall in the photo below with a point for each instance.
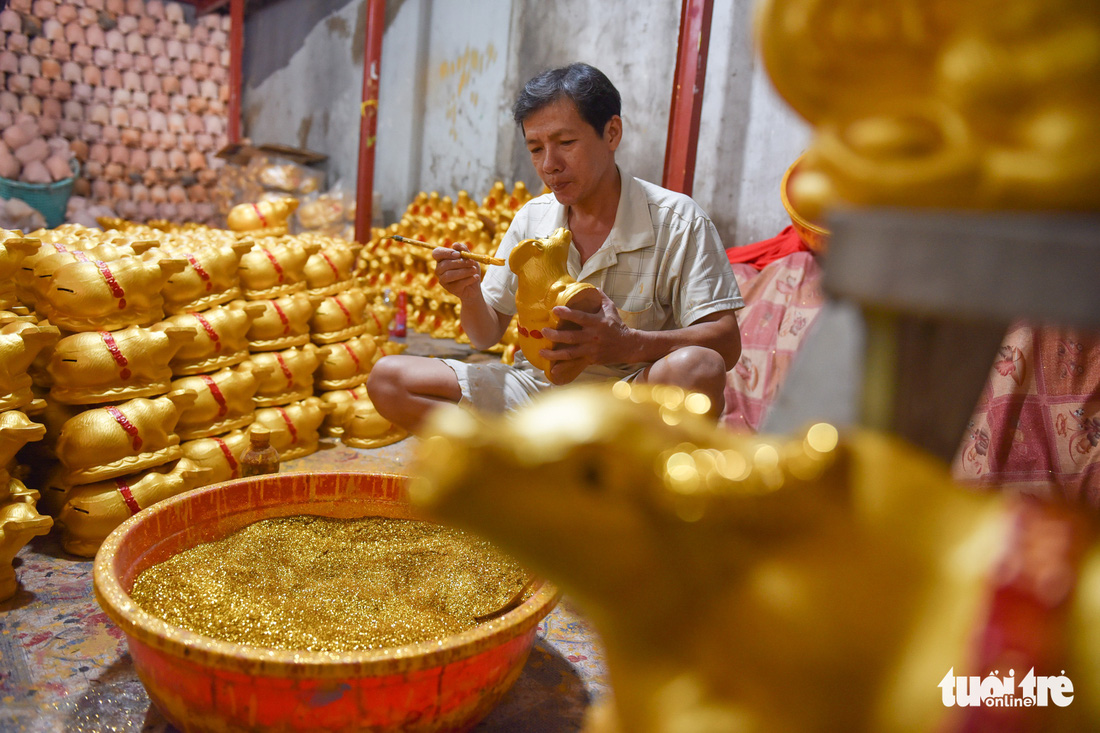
(464, 94)
(451, 69)
(313, 100)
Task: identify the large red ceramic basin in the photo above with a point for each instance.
(201, 684)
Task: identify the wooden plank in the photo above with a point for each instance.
(973, 266)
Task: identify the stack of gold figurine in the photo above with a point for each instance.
(146, 352)
(386, 264)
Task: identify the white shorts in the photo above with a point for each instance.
(496, 387)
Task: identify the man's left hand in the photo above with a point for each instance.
(589, 333)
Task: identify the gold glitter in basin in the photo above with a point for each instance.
(321, 584)
(204, 684)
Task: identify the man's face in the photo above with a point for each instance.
(571, 158)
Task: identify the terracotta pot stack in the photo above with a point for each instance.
(137, 92)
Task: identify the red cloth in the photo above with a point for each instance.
(762, 254)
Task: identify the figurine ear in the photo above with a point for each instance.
(522, 252)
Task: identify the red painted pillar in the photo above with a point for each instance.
(368, 122)
(687, 95)
(236, 49)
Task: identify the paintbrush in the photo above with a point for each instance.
(484, 259)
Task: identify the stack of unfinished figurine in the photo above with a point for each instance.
(386, 264)
(110, 447)
(351, 334)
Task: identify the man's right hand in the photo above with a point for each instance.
(458, 276)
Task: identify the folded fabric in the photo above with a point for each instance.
(761, 254)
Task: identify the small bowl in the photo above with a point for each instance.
(202, 684)
(814, 235)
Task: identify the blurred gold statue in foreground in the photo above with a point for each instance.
(977, 104)
(742, 583)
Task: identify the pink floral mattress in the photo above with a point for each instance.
(1035, 430)
(1036, 427)
(781, 302)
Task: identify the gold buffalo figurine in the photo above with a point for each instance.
(541, 266)
(982, 104)
(220, 338)
(115, 440)
(219, 454)
(32, 278)
(13, 252)
(223, 400)
(339, 317)
(19, 522)
(744, 583)
(338, 398)
(94, 295)
(295, 428)
(329, 269)
(16, 430)
(104, 366)
(356, 422)
(18, 350)
(346, 364)
(210, 278)
(92, 511)
(263, 217)
(275, 267)
(286, 376)
(20, 519)
(283, 322)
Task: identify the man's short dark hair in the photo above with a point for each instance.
(596, 98)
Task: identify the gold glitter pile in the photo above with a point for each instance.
(322, 584)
